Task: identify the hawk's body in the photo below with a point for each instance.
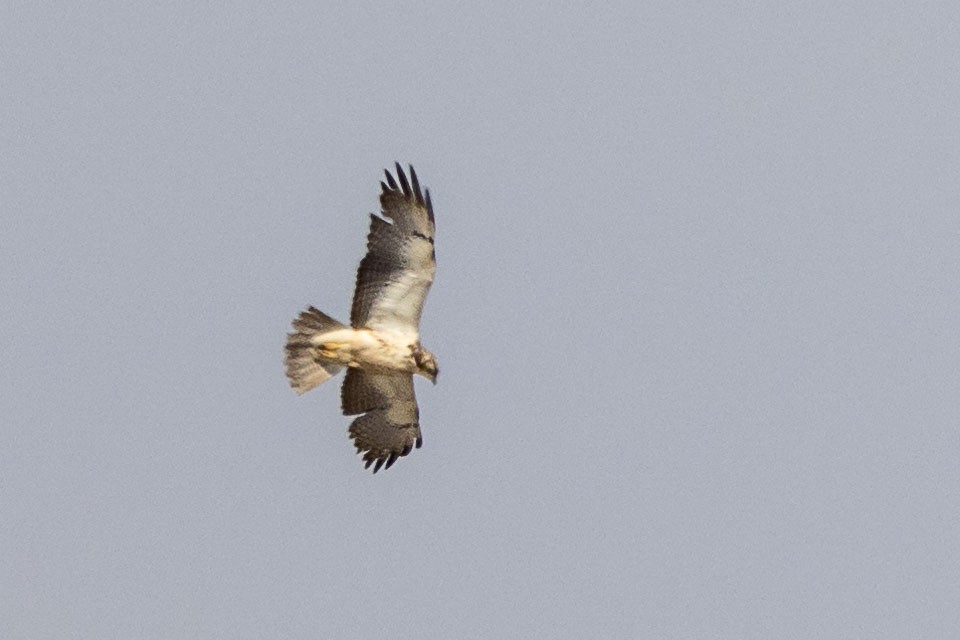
(381, 349)
(370, 350)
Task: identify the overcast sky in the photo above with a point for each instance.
(696, 312)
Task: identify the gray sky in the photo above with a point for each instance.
(696, 314)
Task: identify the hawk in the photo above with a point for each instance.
(381, 348)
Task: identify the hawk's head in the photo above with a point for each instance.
(426, 364)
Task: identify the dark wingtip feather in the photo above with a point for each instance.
(419, 441)
(379, 464)
(415, 182)
(402, 177)
(390, 181)
(393, 458)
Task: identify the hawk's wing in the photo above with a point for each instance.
(390, 425)
(395, 275)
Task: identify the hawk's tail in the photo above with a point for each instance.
(306, 368)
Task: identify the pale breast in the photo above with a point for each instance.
(387, 351)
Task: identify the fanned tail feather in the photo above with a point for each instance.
(306, 369)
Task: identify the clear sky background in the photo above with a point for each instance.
(696, 314)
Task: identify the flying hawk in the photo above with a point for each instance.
(381, 347)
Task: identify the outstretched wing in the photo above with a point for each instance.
(390, 425)
(395, 275)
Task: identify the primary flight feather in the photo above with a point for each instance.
(381, 348)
